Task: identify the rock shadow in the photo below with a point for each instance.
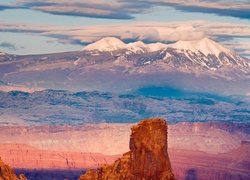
(191, 174)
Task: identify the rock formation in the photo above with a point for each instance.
(147, 159)
(6, 173)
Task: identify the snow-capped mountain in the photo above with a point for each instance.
(110, 44)
(204, 54)
(137, 47)
(112, 65)
(106, 44)
(205, 46)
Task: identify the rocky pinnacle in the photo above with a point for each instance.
(6, 173)
(147, 159)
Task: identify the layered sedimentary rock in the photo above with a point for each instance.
(22, 156)
(112, 139)
(6, 173)
(73, 149)
(147, 158)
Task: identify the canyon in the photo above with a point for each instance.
(199, 150)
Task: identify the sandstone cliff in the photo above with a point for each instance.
(147, 159)
(6, 173)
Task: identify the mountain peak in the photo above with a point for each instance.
(106, 44)
(137, 46)
(211, 47)
(204, 45)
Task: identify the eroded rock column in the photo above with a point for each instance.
(147, 159)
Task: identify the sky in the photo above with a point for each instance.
(50, 26)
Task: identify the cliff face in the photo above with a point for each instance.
(147, 158)
(6, 173)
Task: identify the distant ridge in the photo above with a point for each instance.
(205, 45)
(106, 44)
(203, 54)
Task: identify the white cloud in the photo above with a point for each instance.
(10, 46)
(126, 9)
(96, 9)
(238, 9)
(146, 31)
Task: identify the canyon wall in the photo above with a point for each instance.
(201, 150)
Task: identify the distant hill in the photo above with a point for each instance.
(75, 108)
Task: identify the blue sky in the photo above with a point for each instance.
(47, 26)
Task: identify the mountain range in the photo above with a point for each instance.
(111, 65)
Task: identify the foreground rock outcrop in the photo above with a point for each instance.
(6, 173)
(147, 159)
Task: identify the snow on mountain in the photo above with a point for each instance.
(157, 46)
(185, 55)
(113, 44)
(205, 46)
(120, 63)
(138, 46)
(106, 44)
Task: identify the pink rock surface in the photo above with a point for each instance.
(199, 165)
(113, 139)
(27, 157)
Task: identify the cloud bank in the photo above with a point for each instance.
(238, 9)
(126, 9)
(148, 32)
(94, 9)
(8, 6)
(10, 46)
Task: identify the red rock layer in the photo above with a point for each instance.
(27, 157)
(185, 163)
(147, 159)
(113, 139)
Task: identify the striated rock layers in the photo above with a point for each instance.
(147, 159)
(6, 173)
